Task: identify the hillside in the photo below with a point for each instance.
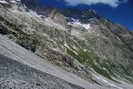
(81, 43)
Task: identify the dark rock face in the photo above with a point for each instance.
(82, 15)
(38, 7)
(3, 29)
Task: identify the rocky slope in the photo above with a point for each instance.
(14, 75)
(80, 42)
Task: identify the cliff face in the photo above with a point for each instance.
(80, 42)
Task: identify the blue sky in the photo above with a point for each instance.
(119, 11)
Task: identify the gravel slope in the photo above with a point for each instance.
(14, 75)
(24, 57)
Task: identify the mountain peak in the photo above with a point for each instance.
(82, 15)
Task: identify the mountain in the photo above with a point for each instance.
(88, 49)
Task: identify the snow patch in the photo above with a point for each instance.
(78, 23)
(86, 26)
(9, 2)
(3, 2)
(14, 1)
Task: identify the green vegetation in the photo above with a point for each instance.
(89, 59)
(101, 66)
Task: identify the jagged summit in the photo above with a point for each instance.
(67, 17)
(82, 15)
(46, 10)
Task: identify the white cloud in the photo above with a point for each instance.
(113, 3)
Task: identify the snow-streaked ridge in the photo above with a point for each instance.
(3, 2)
(9, 1)
(76, 23)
